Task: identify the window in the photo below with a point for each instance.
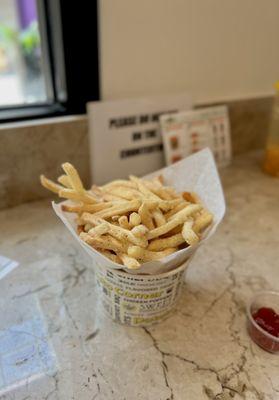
(48, 57)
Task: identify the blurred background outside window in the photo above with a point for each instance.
(22, 74)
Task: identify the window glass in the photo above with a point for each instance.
(23, 66)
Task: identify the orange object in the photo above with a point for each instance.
(271, 162)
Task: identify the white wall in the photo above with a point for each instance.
(216, 49)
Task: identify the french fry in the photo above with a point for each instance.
(120, 209)
(158, 217)
(162, 244)
(99, 230)
(73, 176)
(177, 219)
(105, 242)
(87, 227)
(124, 193)
(92, 208)
(171, 191)
(65, 181)
(191, 197)
(175, 209)
(134, 219)
(113, 257)
(73, 195)
(119, 233)
(128, 261)
(188, 234)
(120, 182)
(203, 220)
(166, 205)
(80, 228)
(139, 230)
(111, 197)
(50, 185)
(123, 222)
(143, 188)
(158, 190)
(146, 216)
(147, 255)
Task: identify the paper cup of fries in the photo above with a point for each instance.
(147, 228)
(139, 300)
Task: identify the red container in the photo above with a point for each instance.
(260, 336)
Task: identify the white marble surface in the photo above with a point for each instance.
(56, 344)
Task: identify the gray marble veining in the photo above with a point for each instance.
(55, 342)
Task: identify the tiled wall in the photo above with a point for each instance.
(28, 151)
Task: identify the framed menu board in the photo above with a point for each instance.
(187, 132)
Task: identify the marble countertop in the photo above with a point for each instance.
(55, 342)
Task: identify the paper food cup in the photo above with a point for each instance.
(139, 300)
(196, 173)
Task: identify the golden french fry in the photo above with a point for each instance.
(171, 191)
(174, 231)
(158, 217)
(146, 216)
(134, 219)
(73, 176)
(96, 190)
(147, 255)
(203, 220)
(80, 228)
(73, 195)
(50, 185)
(165, 243)
(119, 233)
(123, 222)
(166, 205)
(143, 188)
(87, 227)
(113, 257)
(120, 182)
(175, 220)
(119, 209)
(99, 230)
(111, 197)
(105, 242)
(175, 210)
(128, 261)
(160, 192)
(92, 208)
(188, 234)
(65, 181)
(124, 193)
(191, 197)
(139, 230)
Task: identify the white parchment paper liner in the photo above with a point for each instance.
(197, 173)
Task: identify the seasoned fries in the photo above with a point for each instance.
(132, 221)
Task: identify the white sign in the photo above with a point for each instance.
(188, 132)
(125, 136)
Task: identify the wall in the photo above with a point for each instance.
(30, 149)
(216, 49)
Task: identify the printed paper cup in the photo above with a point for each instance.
(139, 300)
